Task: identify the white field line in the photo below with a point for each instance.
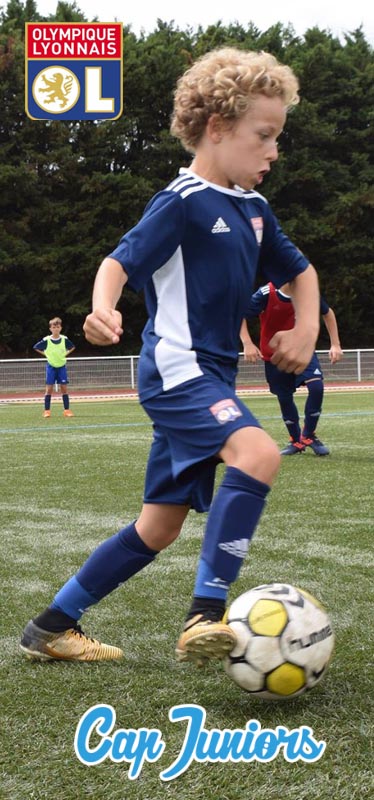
(45, 519)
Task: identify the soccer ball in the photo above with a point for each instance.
(284, 641)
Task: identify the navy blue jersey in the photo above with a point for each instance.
(196, 252)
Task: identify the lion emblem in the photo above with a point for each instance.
(57, 89)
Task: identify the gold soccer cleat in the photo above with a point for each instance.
(202, 639)
(70, 645)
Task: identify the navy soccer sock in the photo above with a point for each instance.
(234, 514)
(290, 416)
(65, 400)
(112, 563)
(313, 407)
(47, 402)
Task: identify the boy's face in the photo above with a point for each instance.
(55, 328)
(244, 153)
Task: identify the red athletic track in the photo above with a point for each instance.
(117, 394)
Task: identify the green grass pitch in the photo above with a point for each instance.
(65, 484)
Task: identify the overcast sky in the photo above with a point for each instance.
(338, 17)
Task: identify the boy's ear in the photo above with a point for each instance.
(215, 128)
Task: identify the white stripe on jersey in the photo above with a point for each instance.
(175, 360)
(183, 180)
(265, 289)
(250, 194)
(192, 189)
(186, 178)
(187, 184)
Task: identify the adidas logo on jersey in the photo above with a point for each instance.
(317, 371)
(220, 226)
(237, 548)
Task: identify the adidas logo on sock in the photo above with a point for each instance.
(237, 548)
(217, 583)
(220, 226)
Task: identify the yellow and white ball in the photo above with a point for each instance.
(284, 641)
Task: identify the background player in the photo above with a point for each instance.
(195, 252)
(276, 312)
(56, 349)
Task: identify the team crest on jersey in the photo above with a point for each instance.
(225, 411)
(258, 227)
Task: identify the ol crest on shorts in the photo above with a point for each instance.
(73, 70)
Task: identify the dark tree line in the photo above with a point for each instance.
(68, 190)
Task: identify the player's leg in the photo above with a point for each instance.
(290, 416)
(282, 384)
(205, 421)
(313, 406)
(312, 378)
(252, 462)
(54, 633)
(49, 382)
(47, 400)
(313, 410)
(63, 381)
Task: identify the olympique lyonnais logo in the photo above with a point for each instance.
(258, 227)
(73, 70)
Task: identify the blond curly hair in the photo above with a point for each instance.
(224, 82)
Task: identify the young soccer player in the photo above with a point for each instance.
(195, 252)
(56, 349)
(276, 311)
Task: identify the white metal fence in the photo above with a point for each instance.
(100, 374)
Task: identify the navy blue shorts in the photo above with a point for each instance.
(285, 383)
(191, 424)
(55, 375)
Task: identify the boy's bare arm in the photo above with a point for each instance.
(335, 352)
(251, 352)
(104, 325)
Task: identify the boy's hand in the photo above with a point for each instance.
(293, 349)
(251, 352)
(103, 326)
(335, 353)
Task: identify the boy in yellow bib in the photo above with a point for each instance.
(55, 348)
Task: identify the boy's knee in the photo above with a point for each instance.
(264, 462)
(254, 452)
(270, 460)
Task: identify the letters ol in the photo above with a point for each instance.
(93, 87)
